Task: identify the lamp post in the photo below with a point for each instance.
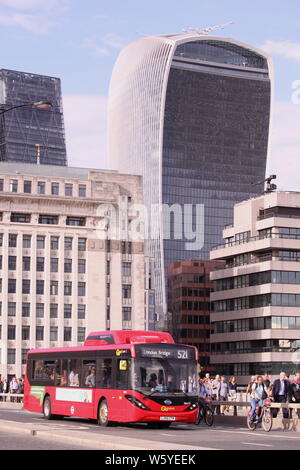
(46, 105)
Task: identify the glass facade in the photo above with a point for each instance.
(216, 132)
(190, 114)
(23, 129)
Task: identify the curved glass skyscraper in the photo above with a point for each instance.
(191, 114)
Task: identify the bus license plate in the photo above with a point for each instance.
(167, 418)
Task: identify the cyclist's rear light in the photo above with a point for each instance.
(136, 402)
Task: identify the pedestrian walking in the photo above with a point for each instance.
(232, 393)
(281, 393)
(224, 392)
(294, 392)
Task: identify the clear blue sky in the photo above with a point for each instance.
(79, 41)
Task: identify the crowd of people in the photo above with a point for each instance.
(13, 387)
(282, 390)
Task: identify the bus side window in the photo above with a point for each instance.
(61, 376)
(74, 373)
(89, 374)
(105, 373)
(43, 370)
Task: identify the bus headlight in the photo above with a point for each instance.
(136, 402)
(192, 407)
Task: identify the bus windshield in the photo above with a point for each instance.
(160, 376)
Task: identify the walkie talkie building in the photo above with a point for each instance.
(191, 114)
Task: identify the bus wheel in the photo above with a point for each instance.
(47, 408)
(103, 414)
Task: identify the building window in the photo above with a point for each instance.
(12, 240)
(24, 355)
(40, 264)
(12, 286)
(68, 288)
(39, 334)
(67, 334)
(53, 287)
(1, 239)
(11, 332)
(40, 242)
(25, 309)
(126, 269)
(26, 241)
(20, 218)
(68, 243)
(27, 186)
(81, 244)
(81, 312)
(53, 310)
(12, 263)
(13, 186)
(82, 190)
(25, 333)
(41, 187)
(53, 333)
(68, 265)
(80, 334)
(126, 291)
(26, 263)
(54, 265)
(54, 243)
(1, 185)
(126, 313)
(25, 286)
(11, 309)
(40, 310)
(68, 189)
(48, 219)
(76, 221)
(11, 356)
(40, 287)
(81, 289)
(68, 311)
(81, 266)
(55, 189)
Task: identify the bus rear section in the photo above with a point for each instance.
(129, 383)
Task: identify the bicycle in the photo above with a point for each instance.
(206, 413)
(262, 415)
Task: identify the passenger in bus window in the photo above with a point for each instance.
(90, 380)
(170, 383)
(74, 378)
(64, 379)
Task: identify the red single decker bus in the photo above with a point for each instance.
(116, 377)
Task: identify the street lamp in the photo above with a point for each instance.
(45, 105)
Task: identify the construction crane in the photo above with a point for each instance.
(208, 30)
(270, 187)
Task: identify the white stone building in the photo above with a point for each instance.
(60, 274)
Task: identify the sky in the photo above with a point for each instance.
(79, 42)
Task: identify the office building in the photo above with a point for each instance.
(256, 296)
(31, 135)
(189, 306)
(61, 275)
(190, 113)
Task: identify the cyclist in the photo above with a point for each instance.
(258, 395)
(204, 393)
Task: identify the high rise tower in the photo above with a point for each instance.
(191, 113)
(25, 132)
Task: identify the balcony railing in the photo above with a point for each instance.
(255, 238)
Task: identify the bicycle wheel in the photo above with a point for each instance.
(267, 421)
(251, 424)
(209, 416)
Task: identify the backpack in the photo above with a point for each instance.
(264, 396)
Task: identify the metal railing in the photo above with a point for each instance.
(256, 238)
